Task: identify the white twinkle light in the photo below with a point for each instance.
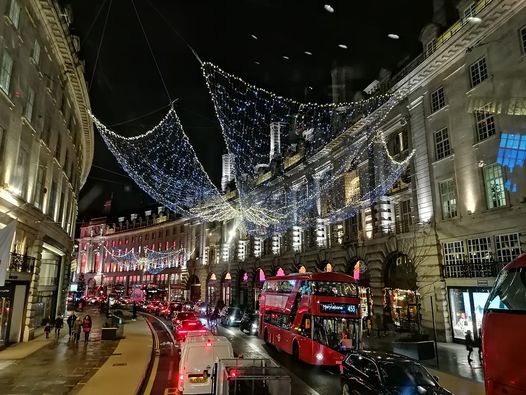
(393, 36)
(254, 36)
(329, 8)
(342, 46)
(308, 53)
(285, 57)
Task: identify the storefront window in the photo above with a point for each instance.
(404, 307)
(364, 301)
(467, 308)
(5, 304)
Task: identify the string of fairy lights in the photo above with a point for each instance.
(356, 167)
(152, 261)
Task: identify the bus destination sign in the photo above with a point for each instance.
(339, 308)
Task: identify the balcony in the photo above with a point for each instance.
(21, 263)
(471, 270)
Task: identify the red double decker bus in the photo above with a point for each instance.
(503, 332)
(314, 317)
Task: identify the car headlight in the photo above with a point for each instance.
(319, 356)
(254, 325)
(232, 318)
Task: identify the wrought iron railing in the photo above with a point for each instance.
(472, 269)
(21, 263)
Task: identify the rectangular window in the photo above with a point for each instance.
(494, 186)
(14, 13)
(40, 187)
(35, 54)
(448, 197)
(438, 99)
(30, 101)
(58, 150)
(2, 137)
(442, 147)
(453, 259)
(5, 72)
(508, 247)
(523, 39)
(478, 72)
(52, 200)
(485, 123)
(404, 218)
(479, 250)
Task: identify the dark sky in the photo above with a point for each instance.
(125, 84)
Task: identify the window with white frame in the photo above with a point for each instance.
(453, 258)
(485, 123)
(30, 101)
(442, 147)
(14, 13)
(5, 72)
(494, 186)
(438, 99)
(479, 250)
(35, 54)
(478, 72)
(453, 252)
(403, 216)
(508, 247)
(448, 198)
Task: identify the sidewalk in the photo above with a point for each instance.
(60, 366)
(453, 369)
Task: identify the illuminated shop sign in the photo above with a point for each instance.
(339, 308)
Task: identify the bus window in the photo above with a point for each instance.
(509, 292)
(305, 328)
(333, 288)
(328, 330)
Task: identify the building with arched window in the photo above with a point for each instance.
(46, 150)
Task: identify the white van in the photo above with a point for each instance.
(198, 355)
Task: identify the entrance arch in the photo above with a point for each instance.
(211, 290)
(226, 289)
(194, 286)
(400, 295)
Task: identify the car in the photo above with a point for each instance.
(231, 316)
(250, 323)
(380, 373)
(188, 326)
(200, 309)
(198, 356)
(181, 316)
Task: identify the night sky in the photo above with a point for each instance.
(125, 85)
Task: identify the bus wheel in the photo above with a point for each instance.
(295, 351)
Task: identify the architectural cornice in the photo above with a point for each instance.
(72, 69)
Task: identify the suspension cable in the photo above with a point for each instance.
(152, 53)
(100, 46)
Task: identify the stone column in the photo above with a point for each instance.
(35, 250)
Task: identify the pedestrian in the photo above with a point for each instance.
(369, 323)
(47, 328)
(469, 345)
(77, 328)
(71, 319)
(86, 327)
(345, 341)
(134, 312)
(59, 323)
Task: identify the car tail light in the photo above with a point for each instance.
(181, 377)
(233, 373)
(209, 343)
(177, 322)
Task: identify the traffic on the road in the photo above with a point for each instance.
(206, 358)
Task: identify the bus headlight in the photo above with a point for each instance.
(319, 356)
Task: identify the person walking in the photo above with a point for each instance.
(86, 327)
(47, 328)
(479, 344)
(77, 328)
(469, 345)
(71, 319)
(59, 323)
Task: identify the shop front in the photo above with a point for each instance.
(259, 280)
(211, 290)
(13, 299)
(226, 289)
(466, 309)
(243, 289)
(401, 300)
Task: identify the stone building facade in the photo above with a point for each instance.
(432, 246)
(46, 150)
